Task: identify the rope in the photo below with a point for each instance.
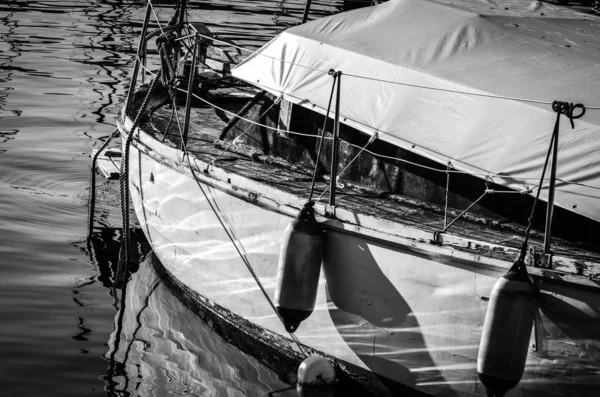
(231, 235)
(465, 211)
(251, 121)
(164, 43)
(92, 196)
(156, 17)
(184, 146)
(168, 125)
(178, 122)
(489, 175)
(314, 177)
(518, 99)
(483, 175)
(124, 177)
(185, 37)
(168, 76)
(246, 130)
(147, 70)
(437, 233)
(371, 140)
(382, 156)
(476, 94)
(560, 108)
(124, 194)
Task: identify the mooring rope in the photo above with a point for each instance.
(124, 176)
(166, 66)
(235, 241)
(167, 76)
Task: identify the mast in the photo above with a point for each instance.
(306, 10)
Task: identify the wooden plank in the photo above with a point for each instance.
(255, 155)
(109, 162)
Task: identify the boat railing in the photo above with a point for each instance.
(197, 50)
(193, 44)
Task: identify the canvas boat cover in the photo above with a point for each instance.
(471, 85)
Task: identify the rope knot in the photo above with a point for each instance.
(165, 43)
(568, 109)
(165, 38)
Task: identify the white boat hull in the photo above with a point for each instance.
(408, 314)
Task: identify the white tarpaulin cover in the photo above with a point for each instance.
(410, 67)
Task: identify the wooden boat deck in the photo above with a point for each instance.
(206, 124)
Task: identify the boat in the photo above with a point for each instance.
(464, 143)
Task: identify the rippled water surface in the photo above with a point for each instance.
(63, 75)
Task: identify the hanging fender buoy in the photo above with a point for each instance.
(316, 378)
(506, 331)
(299, 268)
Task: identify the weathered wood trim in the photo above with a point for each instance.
(264, 158)
(470, 251)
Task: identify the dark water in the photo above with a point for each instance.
(64, 68)
(63, 75)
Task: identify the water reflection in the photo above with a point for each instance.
(8, 52)
(160, 347)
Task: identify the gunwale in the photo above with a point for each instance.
(262, 180)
